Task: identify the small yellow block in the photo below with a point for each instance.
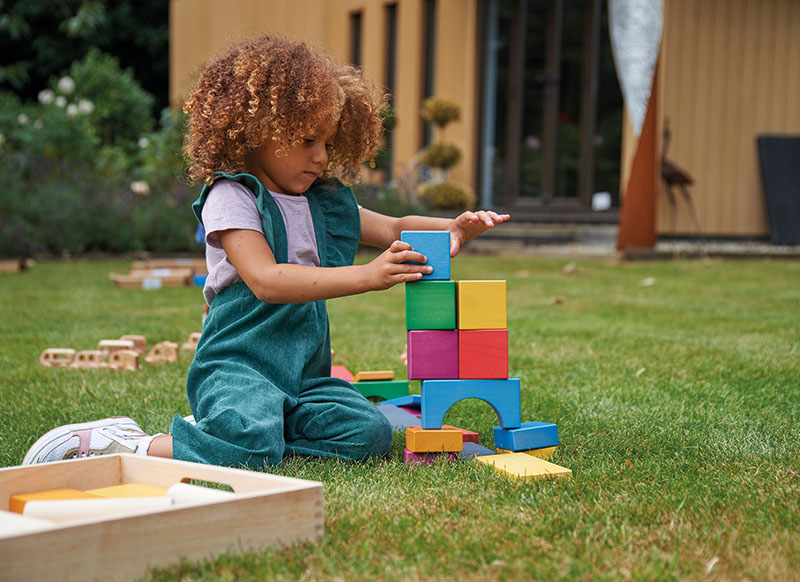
(420, 440)
(545, 453)
(481, 304)
(129, 490)
(374, 375)
(17, 502)
(524, 466)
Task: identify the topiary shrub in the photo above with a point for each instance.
(440, 111)
(446, 196)
(441, 155)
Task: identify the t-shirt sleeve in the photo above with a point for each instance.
(229, 205)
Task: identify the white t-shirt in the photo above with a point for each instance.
(230, 205)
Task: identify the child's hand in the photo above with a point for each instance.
(391, 268)
(471, 224)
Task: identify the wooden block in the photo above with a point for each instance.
(191, 341)
(57, 357)
(481, 304)
(139, 342)
(439, 395)
(383, 389)
(483, 353)
(414, 411)
(407, 401)
(447, 440)
(71, 510)
(472, 450)
(124, 360)
(110, 346)
(524, 466)
(342, 373)
(373, 375)
(16, 503)
(397, 417)
(432, 353)
(468, 436)
(12, 524)
(89, 359)
(132, 546)
(129, 490)
(529, 435)
(431, 305)
(163, 352)
(412, 458)
(435, 245)
(546, 453)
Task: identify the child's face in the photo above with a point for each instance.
(295, 170)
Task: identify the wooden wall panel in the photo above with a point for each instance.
(730, 71)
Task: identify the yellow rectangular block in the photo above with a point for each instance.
(545, 453)
(524, 466)
(420, 440)
(481, 304)
(373, 375)
(16, 503)
(129, 490)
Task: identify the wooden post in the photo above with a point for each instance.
(637, 217)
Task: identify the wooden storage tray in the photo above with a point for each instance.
(267, 510)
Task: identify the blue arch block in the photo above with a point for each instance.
(439, 395)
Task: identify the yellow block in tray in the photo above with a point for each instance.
(16, 503)
(129, 490)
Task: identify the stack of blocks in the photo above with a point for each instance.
(458, 348)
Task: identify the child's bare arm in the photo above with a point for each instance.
(380, 230)
(272, 282)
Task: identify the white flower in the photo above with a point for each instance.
(72, 110)
(66, 85)
(85, 106)
(140, 187)
(61, 101)
(22, 119)
(46, 96)
(143, 142)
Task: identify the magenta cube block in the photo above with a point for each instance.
(432, 354)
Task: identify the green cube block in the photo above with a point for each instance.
(431, 305)
(382, 389)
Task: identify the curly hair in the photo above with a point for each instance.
(273, 88)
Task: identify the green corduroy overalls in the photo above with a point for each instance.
(259, 386)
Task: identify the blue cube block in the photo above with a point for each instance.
(530, 435)
(435, 245)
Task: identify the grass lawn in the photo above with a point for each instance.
(677, 404)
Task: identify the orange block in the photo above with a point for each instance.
(373, 375)
(17, 502)
(420, 440)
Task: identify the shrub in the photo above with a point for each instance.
(441, 155)
(446, 196)
(440, 111)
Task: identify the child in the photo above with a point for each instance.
(273, 128)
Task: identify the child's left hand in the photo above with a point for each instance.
(468, 225)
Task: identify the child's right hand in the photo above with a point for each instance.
(391, 267)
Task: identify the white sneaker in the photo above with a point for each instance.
(89, 439)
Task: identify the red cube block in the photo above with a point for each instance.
(483, 354)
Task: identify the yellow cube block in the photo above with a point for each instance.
(524, 466)
(481, 304)
(420, 440)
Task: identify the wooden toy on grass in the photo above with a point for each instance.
(163, 352)
(89, 359)
(382, 389)
(412, 458)
(529, 435)
(124, 360)
(432, 354)
(442, 440)
(341, 372)
(397, 417)
(57, 357)
(191, 342)
(483, 353)
(546, 453)
(110, 346)
(481, 304)
(139, 342)
(373, 375)
(439, 395)
(524, 466)
(435, 245)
